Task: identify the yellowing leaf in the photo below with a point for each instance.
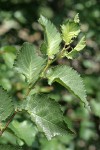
(70, 30)
(76, 18)
(81, 44)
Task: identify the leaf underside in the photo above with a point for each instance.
(52, 38)
(29, 63)
(70, 79)
(6, 105)
(47, 115)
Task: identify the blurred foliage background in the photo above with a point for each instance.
(18, 23)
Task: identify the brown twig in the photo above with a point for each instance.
(7, 124)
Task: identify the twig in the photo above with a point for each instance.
(7, 124)
(31, 86)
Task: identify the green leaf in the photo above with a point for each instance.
(95, 106)
(8, 54)
(47, 115)
(69, 124)
(70, 79)
(72, 54)
(81, 44)
(70, 30)
(9, 59)
(8, 147)
(52, 37)
(76, 18)
(77, 48)
(8, 137)
(29, 63)
(24, 130)
(6, 105)
(54, 144)
(43, 48)
(8, 49)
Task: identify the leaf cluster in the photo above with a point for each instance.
(35, 65)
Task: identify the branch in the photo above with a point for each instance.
(7, 124)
